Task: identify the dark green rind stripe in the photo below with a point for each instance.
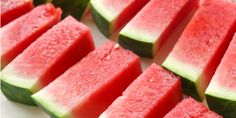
(143, 49)
(17, 94)
(102, 23)
(190, 88)
(224, 107)
(47, 111)
(75, 8)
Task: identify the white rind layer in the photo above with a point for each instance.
(45, 101)
(215, 89)
(10, 76)
(102, 9)
(187, 71)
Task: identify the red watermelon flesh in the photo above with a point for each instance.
(147, 31)
(189, 108)
(49, 56)
(12, 9)
(221, 92)
(151, 95)
(18, 35)
(203, 43)
(89, 87)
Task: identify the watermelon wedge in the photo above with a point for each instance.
(89, 87)
(221, 92)
(154, 93)
(189, 108)
(20, 33)
(45, 59)
(147, 31)
(111, 15)
(201, 46)
(12, 9)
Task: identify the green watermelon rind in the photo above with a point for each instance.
(16, 93)
(190, 77)
(103, 23)
(139, 47)
(54, 110)
(221, 100)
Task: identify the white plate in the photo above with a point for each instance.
(11, 109)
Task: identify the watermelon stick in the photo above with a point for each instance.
(201, 46)
(45, 59)
(111, 15)
(221, 92)
(154, 93)
(20, 33)
(190, 108)
(12, 9)
(89, 87)
(149, 29)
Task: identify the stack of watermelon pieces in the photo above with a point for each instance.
(54, 64)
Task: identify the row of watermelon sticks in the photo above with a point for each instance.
(88, 87)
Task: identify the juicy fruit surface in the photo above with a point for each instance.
(49, 48)
(155, 17)
(204, 34)
(225, 74)
(17, 35)
(202, 45)
(189, 108)
(81, 89)
(152, 94)
(11, 9)
(220, 94)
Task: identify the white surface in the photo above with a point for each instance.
(11, 109)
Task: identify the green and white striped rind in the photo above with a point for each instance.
(192, 77)
(143, 44)
(221, 100)
(105, 19)
(18, 88)
(45, 101)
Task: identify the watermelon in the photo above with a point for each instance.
(76, 8)
(111, 15)
(147, 31)
(155, 92)
(89, 87)
(190, 108)
(12, 9)
(20, 33)
(201, 46)
(45, 59)
(221, 92)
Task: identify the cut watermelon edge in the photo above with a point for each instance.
(16, 88)
(222, 106)
(193, 85)
(50, 107)
(144, 49)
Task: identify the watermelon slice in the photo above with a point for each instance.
(111, 15)
(189, 108)
(221, 92)
(201, 46)
(45, 59)
(151, 95)
(20, 33)
(90, 86)
(146, 32)
(12, 9)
